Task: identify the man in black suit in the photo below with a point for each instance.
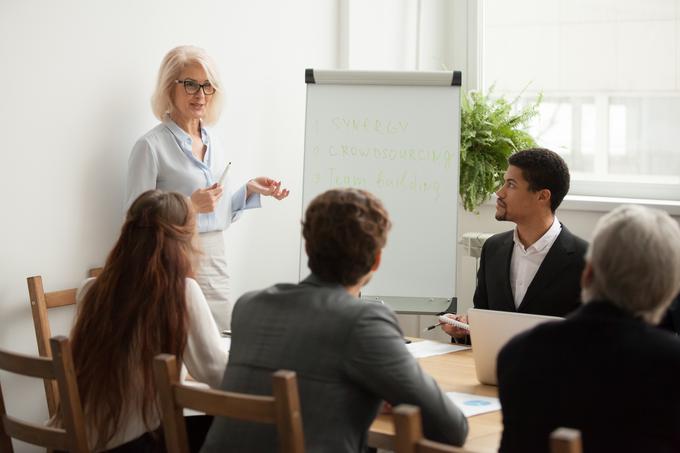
(534, 268)
(606, 370)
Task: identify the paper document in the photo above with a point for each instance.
(427, 348)
(474, 404)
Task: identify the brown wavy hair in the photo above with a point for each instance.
(134, 310)
(344, 229)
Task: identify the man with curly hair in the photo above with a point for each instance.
(349, 354)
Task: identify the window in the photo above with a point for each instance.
(609, 73)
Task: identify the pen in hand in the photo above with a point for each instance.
(434, 326)
(223, 178)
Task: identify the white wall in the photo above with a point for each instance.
(76, 80)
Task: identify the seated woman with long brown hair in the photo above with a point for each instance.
(145, 302)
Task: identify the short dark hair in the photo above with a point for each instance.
(543, 169)
(344, 229)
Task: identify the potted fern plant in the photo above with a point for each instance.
(491, 130)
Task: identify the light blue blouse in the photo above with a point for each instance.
(162, 159)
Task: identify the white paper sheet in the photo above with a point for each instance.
(427, 348)
(474, 404)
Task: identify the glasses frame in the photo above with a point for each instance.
(201, 86)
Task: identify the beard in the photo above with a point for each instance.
(501, 214)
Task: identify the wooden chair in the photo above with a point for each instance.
(40, 303)
(73, 437)
(409, 436)
(408, 433)
(281, 409)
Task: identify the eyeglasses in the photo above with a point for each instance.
(192, 87)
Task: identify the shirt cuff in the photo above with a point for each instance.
(239, 202)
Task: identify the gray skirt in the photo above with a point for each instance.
(213, 278)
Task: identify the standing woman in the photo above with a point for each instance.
(181, 155)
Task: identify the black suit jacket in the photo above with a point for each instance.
(617, 384)
(554, 291)
(671, 320)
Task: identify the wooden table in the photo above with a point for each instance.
(453, 372)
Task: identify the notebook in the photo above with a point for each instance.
(490, 330)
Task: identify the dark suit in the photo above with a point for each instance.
(617, 383)
(349, 356)
(671, 320)
(554, 291)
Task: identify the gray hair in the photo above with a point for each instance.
(635, 258)
(172, 65)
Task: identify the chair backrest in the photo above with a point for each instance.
(60, 367)
(281, 409)
(40, 303)
(566, 440)
(409, 436)
(408, 432)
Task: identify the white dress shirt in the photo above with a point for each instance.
(526, 261)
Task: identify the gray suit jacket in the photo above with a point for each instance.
(348, 354)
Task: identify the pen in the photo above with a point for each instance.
(432, 327)
(224, 175)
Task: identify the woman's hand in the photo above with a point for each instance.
(267, 187)
(205, 200)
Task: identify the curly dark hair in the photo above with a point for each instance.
(543, 169)
(344, 229)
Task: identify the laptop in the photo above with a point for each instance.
(490, 330)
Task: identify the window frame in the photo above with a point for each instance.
(614, 189)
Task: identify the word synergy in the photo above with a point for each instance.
(370, 125)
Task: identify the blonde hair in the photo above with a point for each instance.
(635, 257)
(171, 67)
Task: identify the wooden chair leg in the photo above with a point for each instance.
(41, 323)
(5, 441)
(408, 428)
(71, 408)
(287, 401)
(166, 374)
